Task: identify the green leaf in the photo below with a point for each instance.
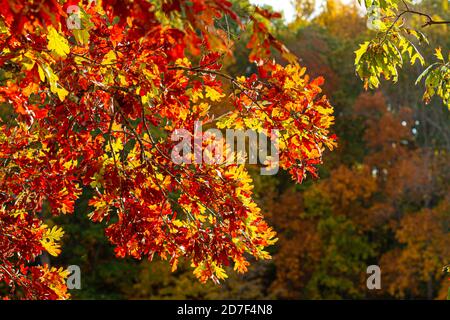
(425, 72)
(81, 36)
(360, 52)
(416, 55)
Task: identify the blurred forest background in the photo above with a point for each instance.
(383, 196)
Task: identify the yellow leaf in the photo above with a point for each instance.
(46, 72)
(70, 164)
(41, 73)
(196, 94)
(438, 54)
(57, 43)
(177, 223)
(361, 51)
(213, 94)
(220, 273)
(288, 84)
(183, 62)
(117, 145)
(323, 110)
(28, 61)
(97, 181)
(109, 58)
(30, 89)
(62, 93)
(50, 239)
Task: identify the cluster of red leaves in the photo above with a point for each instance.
(292, 105)
(20, 243)
(95, 107)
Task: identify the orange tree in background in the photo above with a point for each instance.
(91, 101)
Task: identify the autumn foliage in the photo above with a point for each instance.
(93, 107)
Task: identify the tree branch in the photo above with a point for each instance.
(430, 20)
